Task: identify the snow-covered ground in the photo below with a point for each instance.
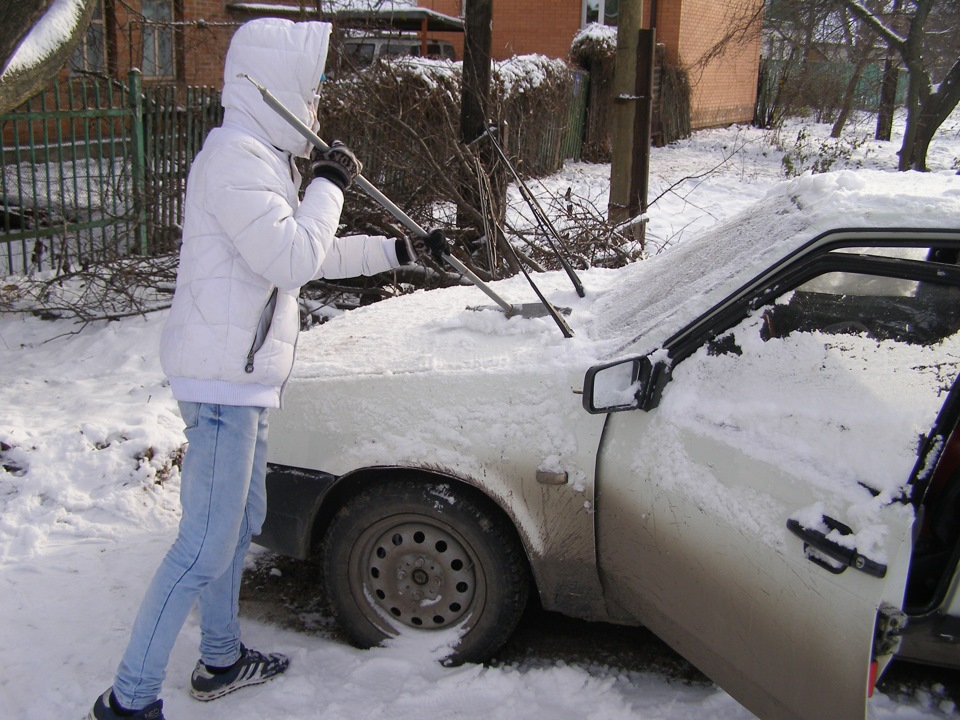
(88, 505)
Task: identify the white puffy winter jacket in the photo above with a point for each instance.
(248, 242)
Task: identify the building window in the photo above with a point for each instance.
(91, 54)
(158, 38)
(605, 12)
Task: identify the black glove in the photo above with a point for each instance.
(434, 244)
(337, 164)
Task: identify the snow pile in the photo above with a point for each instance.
(523, 73)
(598, 38)
(384, 6)
(517, 75)
(84, 457)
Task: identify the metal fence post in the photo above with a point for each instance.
(138, 161)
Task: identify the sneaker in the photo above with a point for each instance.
(103, 711)
(252, 668)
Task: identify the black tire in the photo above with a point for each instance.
(425, 555)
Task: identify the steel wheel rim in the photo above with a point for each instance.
(416, 572)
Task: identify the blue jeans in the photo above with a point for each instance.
(224, 502)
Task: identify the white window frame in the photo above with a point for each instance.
(87, 58)
(601, 10)
(159, 64)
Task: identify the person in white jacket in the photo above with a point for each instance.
(249, 244)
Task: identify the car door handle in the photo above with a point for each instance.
(847, 557)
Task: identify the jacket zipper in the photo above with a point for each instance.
(263, 327)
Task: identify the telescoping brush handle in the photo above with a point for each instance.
(375, 193)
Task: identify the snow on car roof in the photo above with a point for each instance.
(647, 301)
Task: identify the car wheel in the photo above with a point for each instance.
(426, 556)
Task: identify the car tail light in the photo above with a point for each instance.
(886, 640)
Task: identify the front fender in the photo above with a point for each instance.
(294, 497)
(523, 440)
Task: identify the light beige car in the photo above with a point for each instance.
(732, 450)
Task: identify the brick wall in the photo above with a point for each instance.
(204, 49)
(523, 27)
(725, 89)
(199, 49)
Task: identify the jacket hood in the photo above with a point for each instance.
(288, 59)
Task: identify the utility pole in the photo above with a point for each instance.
(478, 39)
(624, 201)
(475, 116)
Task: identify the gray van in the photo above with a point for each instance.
(362, 51)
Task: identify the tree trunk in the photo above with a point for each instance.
(849, 95)
(920, 87)
(888, 99)
(934, 110)
(907, 147)
(16, 20)
(475, 114)
(624, 199)
(888, 87)
(926, 110)
(474, 103)
(20, 85)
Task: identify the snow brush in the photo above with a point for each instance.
(527, 310)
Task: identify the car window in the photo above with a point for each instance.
(839, 378)
(881, 308)
(441, 50)
(400, 47)
(360, 52)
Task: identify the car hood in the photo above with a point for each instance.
(631, 309)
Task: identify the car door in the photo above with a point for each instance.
(756, 514)
(932, 599)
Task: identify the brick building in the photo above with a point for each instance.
(185, 40)
(723, 90)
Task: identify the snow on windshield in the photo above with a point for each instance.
(635, 307)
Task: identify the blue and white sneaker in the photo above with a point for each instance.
(252, 668)
(102, 710)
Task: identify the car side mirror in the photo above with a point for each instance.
(631, 384)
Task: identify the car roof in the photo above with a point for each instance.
(631, 309)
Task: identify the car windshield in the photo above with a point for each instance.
(654, 297)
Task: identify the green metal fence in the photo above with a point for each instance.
(93, 169)
(562, 136)
(67, 182)
(175, 123)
